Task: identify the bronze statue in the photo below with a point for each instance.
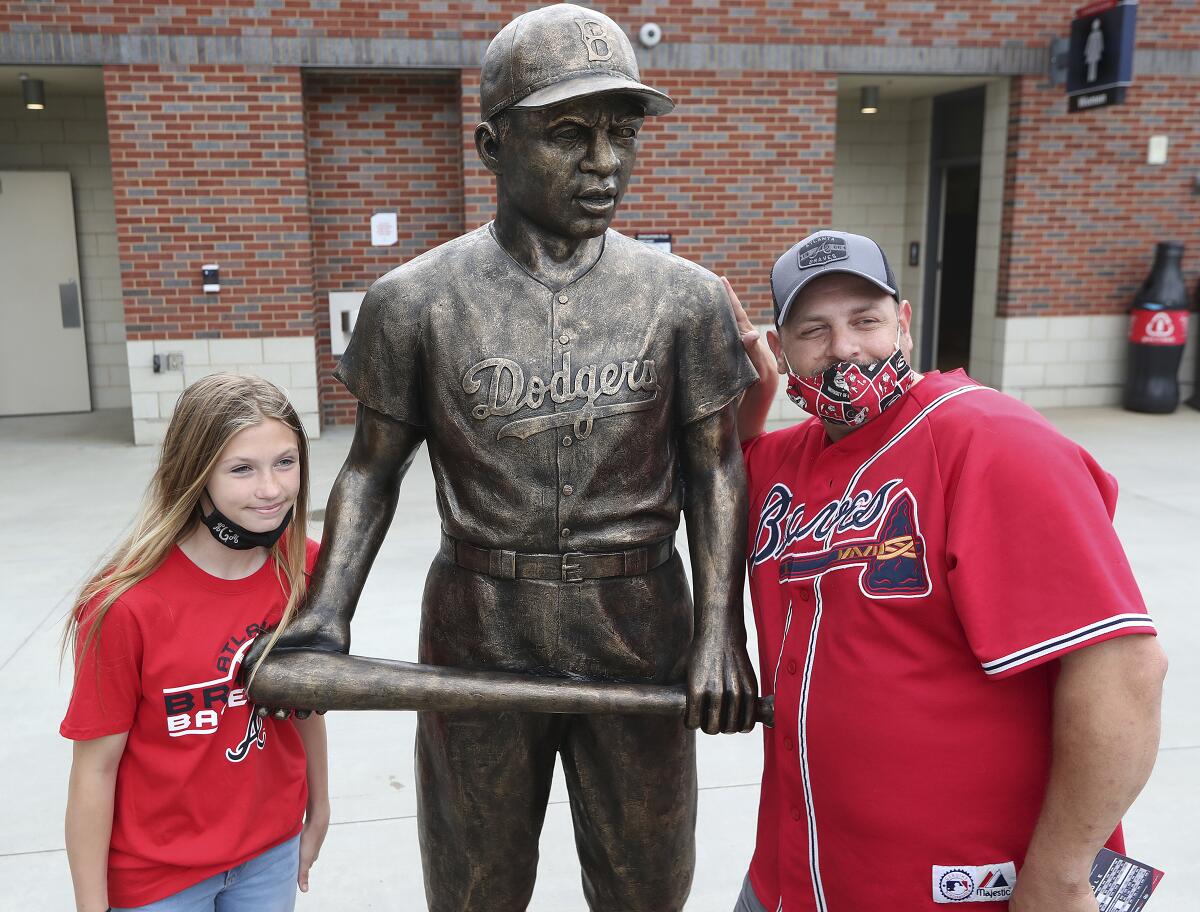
(577, 389)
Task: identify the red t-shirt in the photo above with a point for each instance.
(203, 784)
(911, 585)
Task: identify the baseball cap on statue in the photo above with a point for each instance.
(823, 253)
(559, 52)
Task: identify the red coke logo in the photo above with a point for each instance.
(1158, 327)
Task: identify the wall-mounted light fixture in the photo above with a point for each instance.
(33, 92)
(869, 100)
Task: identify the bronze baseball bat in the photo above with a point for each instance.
(302, 678)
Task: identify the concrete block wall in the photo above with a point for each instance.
(72, 135)
(916, 205)
(871, 176)
(983, 365)
(289, 362)
(1070, 360)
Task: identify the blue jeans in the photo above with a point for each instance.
(265, 883)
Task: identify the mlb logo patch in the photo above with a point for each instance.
(974, 883)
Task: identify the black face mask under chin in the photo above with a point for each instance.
(231, 535)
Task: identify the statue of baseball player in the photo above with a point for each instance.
(577, 389)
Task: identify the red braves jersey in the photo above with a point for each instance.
(911, 585)
(204, 784)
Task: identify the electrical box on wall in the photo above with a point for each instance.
(211, 274)
(343, 314)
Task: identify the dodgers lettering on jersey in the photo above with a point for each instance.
(910, 584)
(553, 416)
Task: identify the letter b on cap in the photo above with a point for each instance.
(595, 39)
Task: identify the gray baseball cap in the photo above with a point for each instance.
(556, 53)
(823, 253)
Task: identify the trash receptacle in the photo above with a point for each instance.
(1157, 333)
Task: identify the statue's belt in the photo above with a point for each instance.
(572, 567)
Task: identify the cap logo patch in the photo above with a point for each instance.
(595, 39)
(822, 250)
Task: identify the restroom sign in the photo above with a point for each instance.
(1100, 60)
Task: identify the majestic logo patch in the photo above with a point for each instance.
(822, 250)
(974, 883)
(507, 393)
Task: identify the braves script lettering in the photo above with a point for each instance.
(506, 392)
(780, 525)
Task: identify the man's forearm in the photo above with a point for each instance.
(1106, 732)
(756, 402)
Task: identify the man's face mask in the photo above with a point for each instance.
(849, 394)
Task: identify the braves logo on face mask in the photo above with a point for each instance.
(851, 394)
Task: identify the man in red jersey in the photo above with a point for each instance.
(966, 681)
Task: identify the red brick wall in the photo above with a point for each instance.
(740, 170)
(208, 166)
(1083, 210)
(386, 142)
(479, 186)
(983, 23)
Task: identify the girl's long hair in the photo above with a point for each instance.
(207, 416)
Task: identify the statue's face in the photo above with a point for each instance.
(565, 168)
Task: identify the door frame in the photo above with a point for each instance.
(934, 217)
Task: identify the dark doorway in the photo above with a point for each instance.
(953, 218)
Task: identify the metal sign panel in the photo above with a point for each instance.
(1100, 60)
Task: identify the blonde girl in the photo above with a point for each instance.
(181, 797)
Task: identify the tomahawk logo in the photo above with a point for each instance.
(891, 562)
(256, 736)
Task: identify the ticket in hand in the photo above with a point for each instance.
(1122, 884)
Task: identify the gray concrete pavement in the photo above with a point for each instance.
(69, 485)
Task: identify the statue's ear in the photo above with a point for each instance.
(487, 145)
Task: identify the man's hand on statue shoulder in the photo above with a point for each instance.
(752, 340)
(756, 401)
(722, 688)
